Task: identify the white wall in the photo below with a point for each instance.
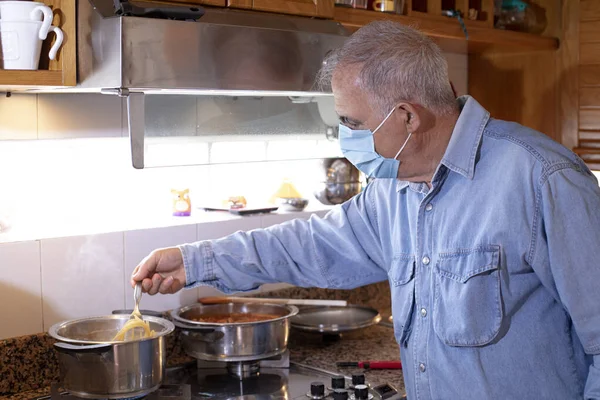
(47, 281)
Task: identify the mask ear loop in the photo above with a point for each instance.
(385, 119)
(403, 146)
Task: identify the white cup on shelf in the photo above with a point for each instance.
(20, 44)
(27, 11)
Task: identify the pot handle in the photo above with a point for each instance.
(192, 327)
(208, 337)
(70, 348)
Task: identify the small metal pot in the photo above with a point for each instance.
(92, 366)
(234, 342)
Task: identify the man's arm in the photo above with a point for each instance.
(342, 250)
(566, 256)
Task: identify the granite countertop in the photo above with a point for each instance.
(369, 344)
(374, 343)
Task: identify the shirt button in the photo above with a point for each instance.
(429, 207)
(423, 312)
(426, 260)
(422, 367)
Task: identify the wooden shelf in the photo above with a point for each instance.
(449, 34)
(61, 72)
(15, 78)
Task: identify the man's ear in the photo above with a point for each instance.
(411, 117)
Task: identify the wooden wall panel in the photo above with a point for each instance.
(589, 119)
(589, 53)
(219, 3)
(590, 9)
(518, 87)
(589, 135)
(325, 8)
(589, 32)
(589, 75)
(568, 74)
(239, 3)
(589, 97)
(311, 8)
(554, 15)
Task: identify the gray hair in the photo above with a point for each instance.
(398, 63)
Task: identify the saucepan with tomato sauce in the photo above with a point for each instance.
(234, 332)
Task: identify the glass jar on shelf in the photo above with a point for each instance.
(352, 3)
(388, 6)
(520, 15)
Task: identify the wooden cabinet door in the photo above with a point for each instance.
(219, 3)
(310, 8)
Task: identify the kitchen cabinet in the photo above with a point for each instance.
(218, 3)
(584, 100)
(309, 8)
(483, 10)
(524, 86)
(517, 76)
(448, 33)
(51, 73)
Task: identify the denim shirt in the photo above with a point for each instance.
(495, 285)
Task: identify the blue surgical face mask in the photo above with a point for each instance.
(358, 146)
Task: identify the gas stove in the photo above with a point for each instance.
(275, 378)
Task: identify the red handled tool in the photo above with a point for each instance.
(371, 364)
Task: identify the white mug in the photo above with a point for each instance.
(20, 44)
(27, 11)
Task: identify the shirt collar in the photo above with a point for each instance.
(462, 149)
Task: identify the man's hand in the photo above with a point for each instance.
(161, 271)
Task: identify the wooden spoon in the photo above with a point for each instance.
(295, 302)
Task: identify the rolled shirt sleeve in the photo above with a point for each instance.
(342, 250)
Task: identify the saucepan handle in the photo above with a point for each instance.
(203, 336)
(192, 327)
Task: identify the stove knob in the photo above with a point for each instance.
(340, 394)
(338, 382)
(358, 379)
(317, 390)
(361, 392)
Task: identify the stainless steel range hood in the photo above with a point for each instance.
(224, 52)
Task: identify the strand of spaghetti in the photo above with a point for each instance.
(136, 322)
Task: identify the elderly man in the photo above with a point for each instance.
(485, 229)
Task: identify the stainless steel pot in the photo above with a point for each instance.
(234, 342)
(92, 366)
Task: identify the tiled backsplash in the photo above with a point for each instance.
(51, 280)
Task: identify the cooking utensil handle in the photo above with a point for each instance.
(193, 328)
(371, 364)
(92, 348)
(382, 364)
(296, 302)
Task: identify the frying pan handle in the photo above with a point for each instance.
(75, 349)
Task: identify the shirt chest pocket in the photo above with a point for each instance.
(467, 306)
(402, 285)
